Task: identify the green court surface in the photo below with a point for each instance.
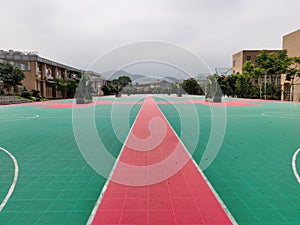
(252, 173)
(55, 185)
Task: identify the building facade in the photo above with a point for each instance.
(291, 89)
(240, 58)
(41, 73)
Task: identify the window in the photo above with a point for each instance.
(248, 58)
(25, 66)
(234, 62)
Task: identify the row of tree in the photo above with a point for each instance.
(261, 80)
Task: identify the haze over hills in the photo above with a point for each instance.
(201, 76)
(137, 78)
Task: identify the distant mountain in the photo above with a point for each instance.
(136, 78)
(114, 74)
(171, 79)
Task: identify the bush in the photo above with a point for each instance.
(25, 94)
(35, 93)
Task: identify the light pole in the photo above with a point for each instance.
(265, 86)
(260, 91)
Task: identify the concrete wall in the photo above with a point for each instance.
(237, 62)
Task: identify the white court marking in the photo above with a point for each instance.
(281, 116)
(228, 213)
(12, 118)
(12, 187)
(294, 165)
(98, 202)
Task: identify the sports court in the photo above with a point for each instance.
(156, 177)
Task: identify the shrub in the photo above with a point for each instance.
(25, 94)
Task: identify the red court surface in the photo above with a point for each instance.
(57, 105)
(74, 105)
(223, 103)
(155, 181)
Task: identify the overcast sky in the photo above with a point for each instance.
(77, 32)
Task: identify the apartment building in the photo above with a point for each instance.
(240, 58)
(41, 73)
(291, 89)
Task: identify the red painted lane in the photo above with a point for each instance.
(183, 198)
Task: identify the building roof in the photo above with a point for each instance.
(257, 50)
(31, 57)
(292, 33)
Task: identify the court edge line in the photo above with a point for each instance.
(97, 204)
(294, 165)
(233, 221)
(12, 187)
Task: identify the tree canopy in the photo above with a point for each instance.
(191, 86)
(10, 75)
(67, 87)
(121, 82)
(116, 85)
(294, 69)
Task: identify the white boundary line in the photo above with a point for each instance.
(281, 117)
(93, 213)
(202, 174)
(294, 165)
(18, 119)
(12, 187)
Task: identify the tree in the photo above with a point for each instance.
(67, 87)
(243, 85)
(62, 85)
(231, 85)
(191, 86)
(249, 68)
(272, 65)
(109, 89)
(120, 83)
(292, 72)
(11, 76)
